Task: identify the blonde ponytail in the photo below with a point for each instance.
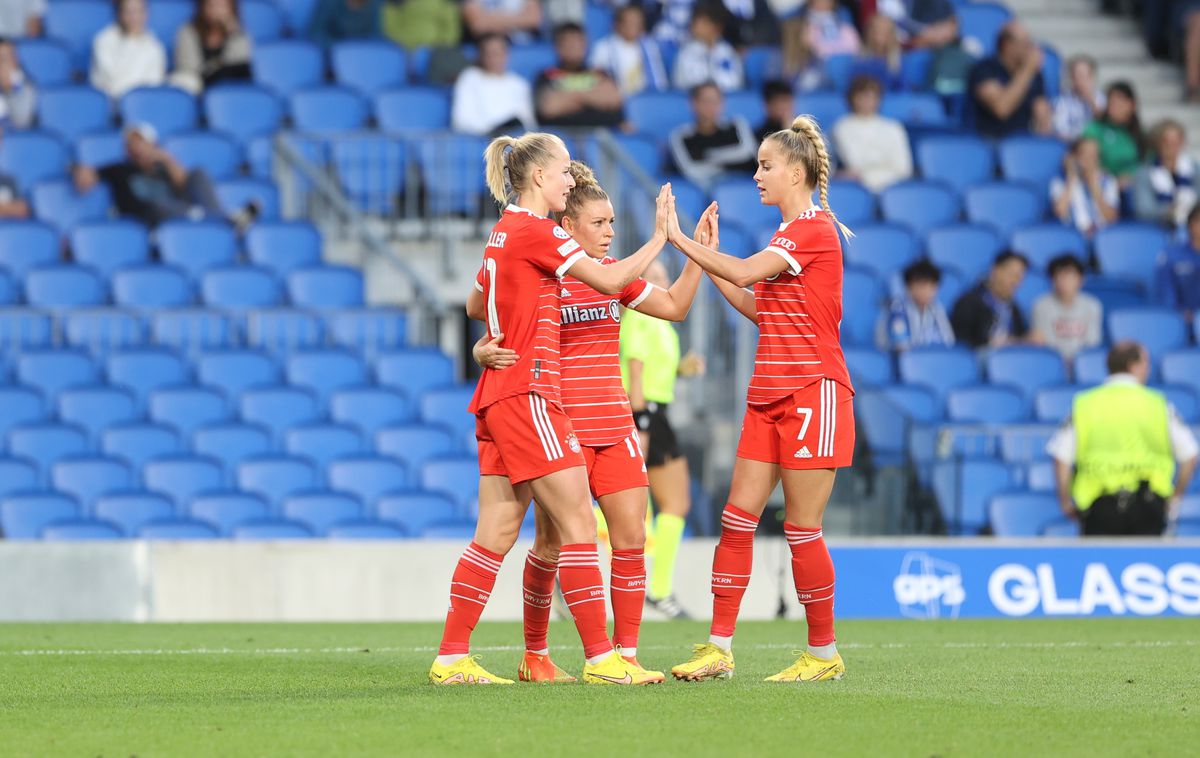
(509, 161)
(804, 144)
(586, 190)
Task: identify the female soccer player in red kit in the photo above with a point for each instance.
(595, 400)
(524, 436)
(799, 423)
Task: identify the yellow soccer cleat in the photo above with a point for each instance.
(616, 670)
(465, 671)
(708, 662)
(539, 668)
(657, 677)
(810, 668)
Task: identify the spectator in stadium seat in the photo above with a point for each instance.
(1115, 459)
(796, 62)
(922, 23)
(780, 106)
(873, 149)
(22, 18)
(1007, 91)
(1068, 318)
(631, 57)
(18, 96)
(518, 20)
(1164, 190)
(423, 23)
(752, 22)
(987, 315)
(153, 187)
(212, 47)
(335, 21)
(127, 55)
(916, 318)
(707, 57)
(1119, 133)
(1082, 101)
(488, 98)
(669, 19)
(12, 205)
(828, 33)
(714, 145)
(880, 54)
(570, 93)
(1085, 196)
(1177, 275)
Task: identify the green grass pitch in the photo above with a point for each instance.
(1034, 687)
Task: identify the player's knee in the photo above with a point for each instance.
(627, 536)
(578, 524)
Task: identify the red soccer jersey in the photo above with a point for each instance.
(592, 393)
(525, 257)
(800, 312)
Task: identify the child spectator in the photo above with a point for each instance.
(707, 57)
(873, 148)
(125, 55)
(987, 315)
(570, 94)
(1067, 318)
(1164, 190)
(1081, 102)
(917, 318)
(488, 97)
(1178, 271)
(18, 96)
(212, 47)
(1119, 133)
(714, 145)
(631, 57)
(1085, 196)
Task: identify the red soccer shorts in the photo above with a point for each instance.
(615, 467)
(811, 428)
(524, 437)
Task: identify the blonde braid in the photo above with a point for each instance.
(807, 127)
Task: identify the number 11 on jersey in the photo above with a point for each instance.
(489, 296)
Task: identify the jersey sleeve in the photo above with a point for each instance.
(479, 279)
(637, 291)
(798, 244)
(552, 250)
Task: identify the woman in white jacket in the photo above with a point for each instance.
(212, 47)
(125, 54)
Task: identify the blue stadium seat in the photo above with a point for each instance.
(96, 408)
(321, 510)
(415, 511)
(25, 245)
(967, 248)
(86, 478)
(1182, 367)
(231, 444)
(192, 330)
(63, 286)
(757, 62)
(960, 161)
(217, 155)
(416, 443)
(235, 371)
(100, 148)
(914, 108)
(1189, 507)
(286, 66)
(411, 109)
(282, 330)
(883, 249)
(183, 477)
(151, 287)
(1061, 528)
(415, 370)
(1042, 243)
(367, 530)
(143, 371)
(985, 404)
(869, 367)
(197, 247)
(224, 511)
(240, 288)
(283, 246)
(325, 109)
(746, 104)
(57, 203)
(979, 24)
(368, 331)
(369, 66)
(1129, 251)
(370, 409)
(1183, 400)
(858, 323)
(1161, 330)
(9, 291)
(296, 14)
(186, 409)
(372, 170)
(1006, 206)
(75, 23)
(278, 408)
(102, 330)
(234, 194)
(18, 406)
(455, 529)
(738, 200)
(1040, 477)
(450, 170)
(964, 489)
(81, 531)
(1025, 443)
(168, 109)
(106, 246)
(262, 20)
(165, 18)
(1053, 404)
(448, 406)
(1022, 514)
(919, 403)
(47, 443)
(73, 111)
(276, 478)
(177, 530)
(326, 287)
(455, 477)
(919, 205)
(138, 443)
(1028, 368)
(271, 529)
(242, 111)
(1031, 159)
(853, 203)
(130, 511)
(531, 59)
(47, 62)
(52, 371)
(643, 149)
(1090, 365)
(323, 443)
(940, 369)
(23, 516)
(1188, 528)
(825, 107)
(368, 477)
(1115, 293)
(657, 113)
(322, 372)
(1033, 286)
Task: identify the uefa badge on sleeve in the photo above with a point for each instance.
(573, 442)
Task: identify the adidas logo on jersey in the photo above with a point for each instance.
(564, 292)
(803, 453)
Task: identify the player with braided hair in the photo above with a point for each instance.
(799, 423)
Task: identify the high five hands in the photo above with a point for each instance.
(664, 210)
(707, 231)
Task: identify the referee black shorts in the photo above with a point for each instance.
(664, 445)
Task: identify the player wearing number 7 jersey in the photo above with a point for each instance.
(799, 423)
(525, 438)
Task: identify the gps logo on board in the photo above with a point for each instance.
(574, 314)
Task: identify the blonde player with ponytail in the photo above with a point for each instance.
(799, 423)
